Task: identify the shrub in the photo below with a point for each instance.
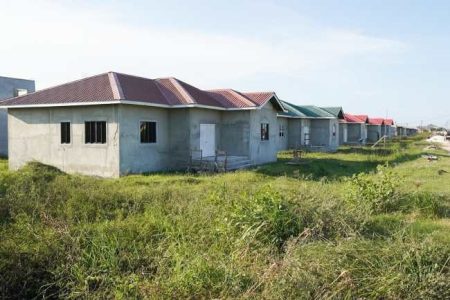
(265, 215)
(375, 192)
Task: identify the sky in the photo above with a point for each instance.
(379, 57)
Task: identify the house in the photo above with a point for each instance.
(356, 129)
(388, 128)
(307, 126)
(374, 132)
(338, 113)
(10, 87)
(114, 124)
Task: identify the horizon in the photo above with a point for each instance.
(361, 56)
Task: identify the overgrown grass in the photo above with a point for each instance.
(360, 223)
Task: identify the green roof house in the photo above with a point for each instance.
(308, 126)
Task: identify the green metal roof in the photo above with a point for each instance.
(305, 111)
(336, 111)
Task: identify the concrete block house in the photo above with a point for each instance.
(356, 129)
(338, 113)
(307, 126)
(374, 129)
(9, 88)
(114, 124)
(388, 128)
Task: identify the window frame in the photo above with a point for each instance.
(281, 131)
(334, 130)
(267, 133)
(156, 132)
(18, 90)
(95, 144)
(70, 132)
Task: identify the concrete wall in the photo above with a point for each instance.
(322, 133)
(34, 135)
(294, 136)
(235, 133)
(334, 134)
(354, 132)
(203, 116)
(8, 87)
(136, 157)
(343, 133)
(283, 141)
(263, 151)
(373, 133)
(3, 132)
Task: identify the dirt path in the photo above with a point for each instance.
(445, 144)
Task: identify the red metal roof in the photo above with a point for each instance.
(117, 87)
(352, 119)
(96, 88)
(389, 122)
(363, 118)
(376, 121)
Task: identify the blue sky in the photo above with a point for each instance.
(375, 57)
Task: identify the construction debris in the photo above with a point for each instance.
(430, 157)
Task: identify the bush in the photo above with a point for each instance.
(376, 193)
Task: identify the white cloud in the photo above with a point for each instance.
(53, 43)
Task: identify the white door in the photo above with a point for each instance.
(208, 139)
(306, 135)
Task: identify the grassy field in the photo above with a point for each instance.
(360, 223)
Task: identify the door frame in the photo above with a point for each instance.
(213, 142)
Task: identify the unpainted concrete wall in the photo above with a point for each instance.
(263, 151)
(343, 133)
(294, 136)
(8, 88)
(203, 116)
(136, 157)
(354, 132)
(235, 133)
(34, 135)
(373, 133)
(283, 143)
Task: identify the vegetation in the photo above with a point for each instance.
(360, 223)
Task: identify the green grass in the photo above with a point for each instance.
(359, 223)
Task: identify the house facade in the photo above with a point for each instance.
(356, 129)
(114, 124)
(388, 128)
(338, 113)
(10, 87)
(308, 126)
(374, 129)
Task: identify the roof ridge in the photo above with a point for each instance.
(181, 90)
(245, 99)
(264, 92)
(115, 86)
(159, 86)
(131, 75)
(56, 86)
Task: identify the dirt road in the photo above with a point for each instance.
(445, 144)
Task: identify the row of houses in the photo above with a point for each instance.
(114, 124)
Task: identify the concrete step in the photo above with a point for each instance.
(241, 164)
(239, 167)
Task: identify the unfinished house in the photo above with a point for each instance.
(9, 88)
(338, 113)
(356, 129)
(309, 126)
(374, 132)
(114, 124)
(388, 128)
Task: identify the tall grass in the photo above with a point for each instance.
(251, 234)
